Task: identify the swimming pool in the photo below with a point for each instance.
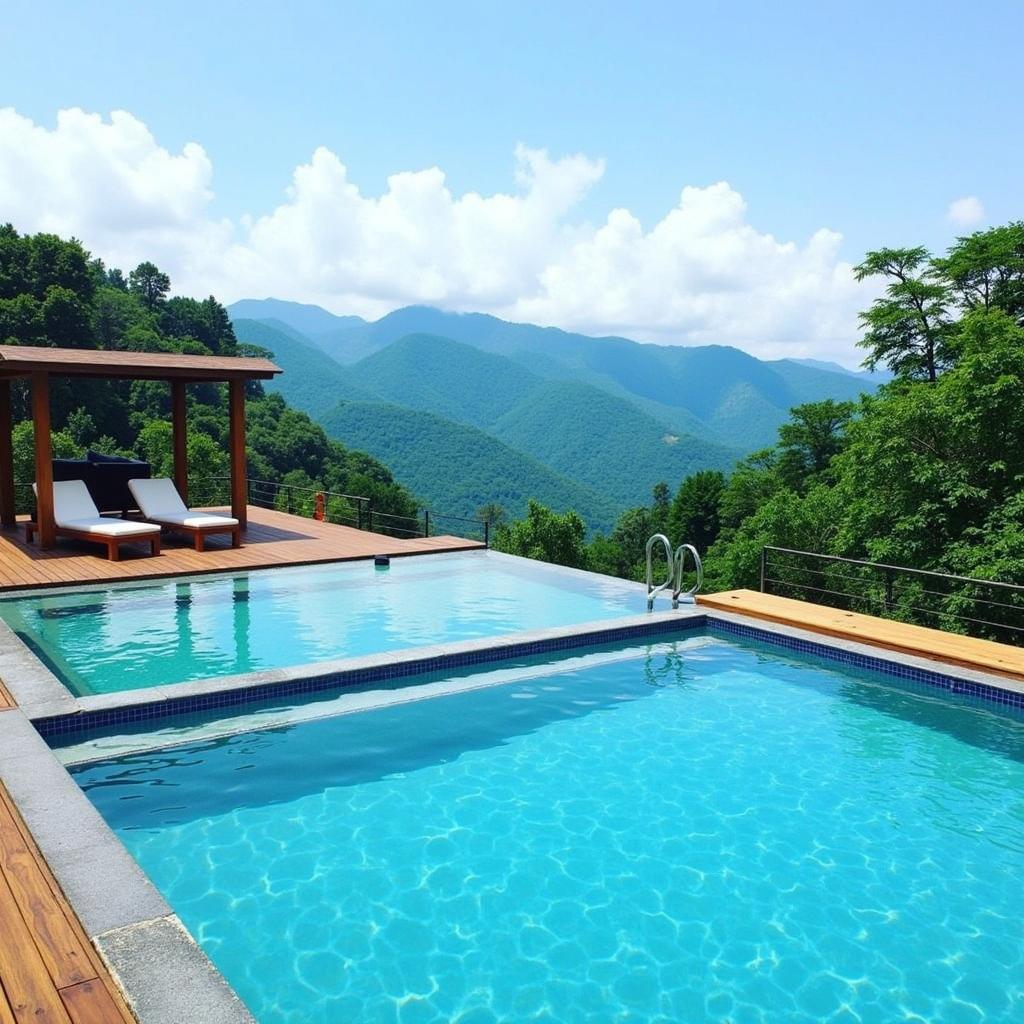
(136, 636)
(698, 830)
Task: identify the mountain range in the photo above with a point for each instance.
(466, 408)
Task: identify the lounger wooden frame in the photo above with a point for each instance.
(113, 542)
(200, 533)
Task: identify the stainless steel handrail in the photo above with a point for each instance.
(652, 590)
(679, 563)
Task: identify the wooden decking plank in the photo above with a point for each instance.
(98, 969)
(23, 973)
(963, 651)
(60, 948)
(6, 1013)
(90, 1003)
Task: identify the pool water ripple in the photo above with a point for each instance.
(706, 835)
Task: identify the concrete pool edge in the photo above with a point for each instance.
(227, 691)
(34, 687)
(162, 972)
(54, 711)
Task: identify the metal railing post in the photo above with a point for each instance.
(764, 555)
(426, 522)
(487, 533)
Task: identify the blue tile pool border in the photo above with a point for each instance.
(170, 707)
(890, 666)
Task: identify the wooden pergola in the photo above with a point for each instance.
(40, 364)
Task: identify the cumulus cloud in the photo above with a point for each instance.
(702, 274)
(966, 212)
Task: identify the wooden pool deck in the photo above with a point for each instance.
(963, 651)
(272, 539)
(50, 973)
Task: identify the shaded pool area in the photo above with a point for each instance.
(698, 830)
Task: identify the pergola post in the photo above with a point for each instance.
(7, 509)
(236, 422)
(44, 458)
(180, 435)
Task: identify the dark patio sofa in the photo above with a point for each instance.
(106, 477)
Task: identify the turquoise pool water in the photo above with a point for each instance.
(131, 637)
(687, 832)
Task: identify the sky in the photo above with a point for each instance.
(680, 173)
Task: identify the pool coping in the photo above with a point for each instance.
(164, 974)
(54, 717)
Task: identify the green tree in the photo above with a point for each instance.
(809, 441)
(754, 480)
(21, 320)
(82, 427)
(115, 279)
(805, 523)
(546, 536)
(661, 499)
(694, 518)
(66, 319)
(150, 284)
(986, 269)
(908, 328)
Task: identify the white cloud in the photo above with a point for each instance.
(967, 212)
(702, 274)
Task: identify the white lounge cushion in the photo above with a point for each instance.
(74, 509)
(102, 526)
(198, 520)
(157, 497)
(71, 500)
(160, 501)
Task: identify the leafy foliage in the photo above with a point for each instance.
(53, 293)
(546, 536)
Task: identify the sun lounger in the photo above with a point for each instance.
(161, 504)
(75, 515)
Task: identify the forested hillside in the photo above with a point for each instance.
(53, 293)
(927, 473)
(610, 415)
(457, 468)
(312, 381)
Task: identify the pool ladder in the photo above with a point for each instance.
(676, 562)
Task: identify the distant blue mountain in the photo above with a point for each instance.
(713, 391)
(307, 320)
(874, 376)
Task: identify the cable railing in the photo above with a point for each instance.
(989, 609)
(353, 510)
